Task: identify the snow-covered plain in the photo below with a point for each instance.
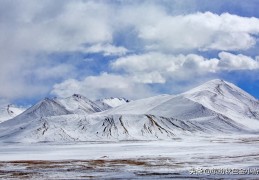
(131, 159)
(215, 125)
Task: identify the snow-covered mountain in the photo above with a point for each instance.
(10, 111)
(108, 103)
(215, 97)
(225, 98)
(214, 107)
(76, 104)
(45, 108)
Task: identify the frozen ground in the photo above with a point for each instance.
(132, 159)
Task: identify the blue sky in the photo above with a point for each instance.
(133, 49)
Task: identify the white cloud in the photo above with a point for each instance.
(230, 62)
(77, 23)
(203, 31)
(232, 41)
(143, 62)
(159, 68)
(31, 30)
(53, 72)
(106, 49)
(149, 77)
(104, 85)
(23, 76)
(163, 66)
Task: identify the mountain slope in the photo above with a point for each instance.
(178, 107)
(109, 128)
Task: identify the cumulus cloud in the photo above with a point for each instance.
(104, 85)
(203, 31)
(23, 76)
(53, 72)
(69, 25)
(230, 61)
(31, 30)
(76, 23)
(159, 68)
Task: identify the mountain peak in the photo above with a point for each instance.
(214, 82)
(212, 85)
(219, 87)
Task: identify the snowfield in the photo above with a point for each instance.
(215, 125)
(131, 159)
